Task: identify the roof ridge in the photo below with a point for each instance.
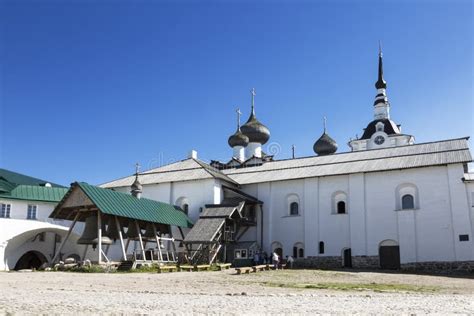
(349, 161)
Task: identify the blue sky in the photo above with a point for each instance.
(88, 88)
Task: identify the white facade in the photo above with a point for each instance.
(20, 235)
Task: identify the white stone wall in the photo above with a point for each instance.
(430, 232)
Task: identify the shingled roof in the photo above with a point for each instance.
(184, 170)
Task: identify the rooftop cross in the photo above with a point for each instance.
(238, 117)
(253, 93)
(325, 122)
(137, 168)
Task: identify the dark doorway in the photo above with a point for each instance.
(30, 260)
(279, 252)
(389, 257)
(347, 258)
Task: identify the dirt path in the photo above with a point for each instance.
(281, 292)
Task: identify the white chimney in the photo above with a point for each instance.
(193, 154)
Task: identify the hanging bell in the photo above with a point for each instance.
(132, 232)
(89, 235)
(112, 231)
(149, 232)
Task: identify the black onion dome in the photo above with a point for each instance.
(255, 131)
(389, 128)
(325, 145)
(238, 139)
(136, 185)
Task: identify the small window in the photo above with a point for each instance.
(408, 202)
(5, 211)
(295, 252)
(186, 209)
(32, 211)
(341, 207)
(379, 126)
(41, 236)
(294, 208)
(463, 237)
(240, 254)
(321, 247)
(301, 253)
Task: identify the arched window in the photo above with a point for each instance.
(186, 208)
(341, 207)
(407, 197)
(298, 250)
(294, 208)
(321, 247)
(408, 202)
(339, 202)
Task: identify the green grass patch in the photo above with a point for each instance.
(376, 287)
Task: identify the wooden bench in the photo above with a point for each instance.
(202, 267)
(261, 267)
(222, 266)
(246, 270)
(167, 268)
(186, 268)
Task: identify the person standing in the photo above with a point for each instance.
(275, 259)
(290, 260)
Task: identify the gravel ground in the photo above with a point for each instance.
(269, 292)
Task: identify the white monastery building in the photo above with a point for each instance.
(389, 202)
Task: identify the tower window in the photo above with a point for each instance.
(463, 237)
(341, 207)
(294, 208)
(295, 252)
(321, 247)
(408, 202)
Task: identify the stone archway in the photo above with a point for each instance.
(389, 254)
(30, 260)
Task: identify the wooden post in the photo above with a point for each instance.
(85, 252)
(173, 244)
(141, 240)
(124, 253)
(65, 239)
(158, 244)
(99, 235)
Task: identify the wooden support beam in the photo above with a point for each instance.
(65, 239)
(99, 235)
(158, 244)
(141, 240)
(124, 252)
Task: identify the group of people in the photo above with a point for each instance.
(263, 258)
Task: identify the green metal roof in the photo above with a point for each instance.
(34, 193)
(6, 186)
(126, 205)
(18, 178)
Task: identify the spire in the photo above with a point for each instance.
(136, 185)
(253, 93)
(380, 84)
(238, 118)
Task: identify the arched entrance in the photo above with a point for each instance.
(389, 255)
(30, 260)
(347, 258)
(278, 248)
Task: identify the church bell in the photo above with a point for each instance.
(112, 231)
(89, 235)
(149, 232)
(132, 232)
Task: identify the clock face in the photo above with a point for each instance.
(379, 140)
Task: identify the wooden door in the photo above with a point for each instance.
(389, 257)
